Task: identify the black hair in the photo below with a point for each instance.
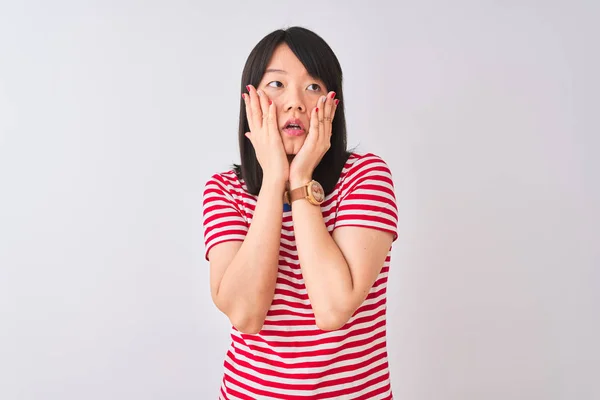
(321, 63)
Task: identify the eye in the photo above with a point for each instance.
(316, 87)
(275, 84)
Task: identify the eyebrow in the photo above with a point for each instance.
(275, 70)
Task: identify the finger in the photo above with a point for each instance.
(272, 119)
(328, 106)
(314, 123)
(321, 114)
(334, 109)
(264, 105)
(248, 135)
(248, 111)
(255, 107)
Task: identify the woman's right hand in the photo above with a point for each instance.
(265, 137)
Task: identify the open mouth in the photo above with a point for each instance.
(294, 127)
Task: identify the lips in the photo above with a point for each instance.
(294, 127)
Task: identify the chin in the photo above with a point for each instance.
(292, 147)
(292, 152)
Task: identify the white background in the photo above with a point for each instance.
(113, 114)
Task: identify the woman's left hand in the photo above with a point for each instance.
(317, 142)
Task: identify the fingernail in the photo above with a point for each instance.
(332, 95)
(270, 102)
(244, 96)
(259, 93)
(248, 87)
(323, 99)
(317, 109)
(337, 101)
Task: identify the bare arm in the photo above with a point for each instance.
(243, 274)
(338, 270)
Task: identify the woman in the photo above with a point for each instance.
(299, 235)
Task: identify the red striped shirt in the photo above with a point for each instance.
(291, 358)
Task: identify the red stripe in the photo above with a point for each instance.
(208, 201)
(289, 293)
(287, 236)
(371, 395)
(308, 386)
(225, 232)
(260, 392)
(299, 376)
(223, 394)
(285, 263)
(301, 335)
(311, 315)
(376, 186)
(288, 247)
(238, 394)
(310, 375)
(308, 317)
(310, 364)
(369, 307)
(291, 304)
(370, 176)
(275, 313)
(317, 331)
(291, 274)
(283, 253)
(367, 198)
(362, 220)
(361, 208)
(355, 389)
(312, 353)
(283, 281)
(362, 225)
(237, 218)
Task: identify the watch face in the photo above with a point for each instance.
(317, 191)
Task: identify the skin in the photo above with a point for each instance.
(338, 269)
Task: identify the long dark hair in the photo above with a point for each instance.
(321, 63)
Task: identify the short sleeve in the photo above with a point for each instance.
(222, 218)
(367, 196)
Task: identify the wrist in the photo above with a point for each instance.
(273, 184)
(299, 180)
(273, 180)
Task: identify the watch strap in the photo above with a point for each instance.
(298, 193)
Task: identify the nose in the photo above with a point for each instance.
(294, 101)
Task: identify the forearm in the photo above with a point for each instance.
(326, 274)
(248, 285)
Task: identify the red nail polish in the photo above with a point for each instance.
(270, 102)
(244, 96)
(317, 109)
(337, 101)
(248, 87)
(332, 95)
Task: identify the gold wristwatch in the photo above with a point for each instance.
(312, 191)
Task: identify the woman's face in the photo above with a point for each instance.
(294, 92)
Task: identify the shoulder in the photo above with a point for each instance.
(359, 164)
(362, 157)
(226, 182)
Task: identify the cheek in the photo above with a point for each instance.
(278, 107)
